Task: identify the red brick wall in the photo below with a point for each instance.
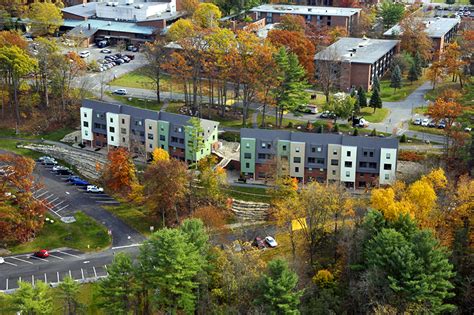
(160, 24)
(360, 75)
(367, 178)
(314, 173)
(100, 137)
(70, 16)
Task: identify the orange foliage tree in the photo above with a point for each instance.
(212, 217)
(292, 23)
(21, 215)
(119, 173)
(298, 44)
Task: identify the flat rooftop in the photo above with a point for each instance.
(113, 26)
(305, 9)
(435, 27)
(357, 50)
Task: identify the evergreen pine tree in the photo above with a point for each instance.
(376, 83)
(278, 294)
(396, 78)
(362, 97)
(412, 73)
(375, 100)
(68, 293)
(418, 62)
(355, 132)
(32, 300)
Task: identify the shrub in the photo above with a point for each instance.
(403, 138)
(355, 132)
(410, 156)
(290, 125)
(336, 128)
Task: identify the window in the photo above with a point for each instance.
(140, 123)
(162, 128)
(348, 164)
(311, 160)
(313, 150)
(263, 145)
(269, 145)
(151, 146)
(387, 155)
(365, 153)
(283, 148)
(362, 164)
(319, 149)
(334, 152)
(111, 129)
(333, 172)
(213, 137)
(387, 167)
(123, 139)
(111, 138)
(150, 136)
(320, 161)
(372, 165)
(297, 169)
(297, 149)
(247, 145)
(297, 159)
(348, 153)
(371, 154)
(85, 115)
(85, 124)
(387, 176)
(180, 129)
(98, 116)
(123, 121)
(261, 156)
(348, 174)
(86, 133)
(247, 165)
(162, 138)
(163, 147)
(334, 162)
(142, 133)
(111, 120)
(149, 127)
(123, 131)
(96, 125)
(247, 155)
(174, 139)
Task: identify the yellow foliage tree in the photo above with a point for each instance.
(323, 278)
(160, 155)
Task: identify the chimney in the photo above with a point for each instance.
(89, 26)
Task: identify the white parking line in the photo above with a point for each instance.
(34, 257)
(7, 285)
(39, 190)
(59, 203)
(95, 272)
(56, 256)
(51, 202)
(43, 193)
(46, 198)
(9, 263)
(28, 262)
(62, 208)
(72, 255)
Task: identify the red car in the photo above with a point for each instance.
(41, 254)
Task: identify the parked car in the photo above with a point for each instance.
(271, 241)
(259, 242)
(106, 51)
(442, 125)
(49, 161)
(417, 121)
(425, 122)
(120, 92)
(468, 129)
(327, 114)
(84, 54)
(120, 61)
(102, 43)
(79, 182)
(64, 171)
(41, 158)
(72, 177)
(95, 189)
(363, 123)
(130, 56)
(43, 253)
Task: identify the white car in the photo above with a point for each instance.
(363, 123)
(271, 241)
(106, 51)
(95, 189)
(2, 260)
(84, 54)
(417, 121)
(120, 92)
(425, 122)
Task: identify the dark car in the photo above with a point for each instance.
(41, 253)
(64, 172)
(131, 56)
(71, 178)
(79, 182)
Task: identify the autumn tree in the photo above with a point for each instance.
(119, 174)
(165, 185)
(328, 70)
(212, 179)
(21, 220)
(342, 105)
(292, 23)
(436, 73)
(414, 38)
(155, 54)
(48, 52)
(297, 43)
(159, 154)
(190, 6)
(207, 15)
(181, 29)
(451, 60)
(46, 18)
(212, 216)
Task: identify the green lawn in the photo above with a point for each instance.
(85, 234)
(255, 194)
(378, 116)
(55, 135)
(434, 131)
(388, 94)
(137, 102)
(136, 217)
(11, 145)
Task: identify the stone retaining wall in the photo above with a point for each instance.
(250, 211)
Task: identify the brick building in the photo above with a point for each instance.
(358, 162)
(346, 18)
(440, 30)
(353, 62)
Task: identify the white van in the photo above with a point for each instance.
(84, 54)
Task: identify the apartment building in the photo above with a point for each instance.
(108, 125)
(358, 162)
(346, 18)
(352, 62)
(440, 30)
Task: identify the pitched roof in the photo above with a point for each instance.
(435, 27)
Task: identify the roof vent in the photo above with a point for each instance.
(109, 23)
(310, 9)
(364, 37)
(128, 2)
